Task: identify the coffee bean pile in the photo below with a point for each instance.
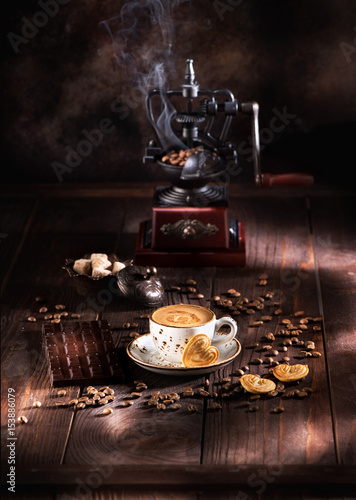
(43, 311)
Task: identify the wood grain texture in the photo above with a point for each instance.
(278, 244)
(70, 228)
(335, 247)
(157, 455)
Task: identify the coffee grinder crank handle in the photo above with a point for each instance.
(252, 108)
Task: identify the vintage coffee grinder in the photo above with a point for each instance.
(190, 224)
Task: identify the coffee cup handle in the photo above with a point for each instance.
(223, 338)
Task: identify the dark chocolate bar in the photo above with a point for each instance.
(81, 353)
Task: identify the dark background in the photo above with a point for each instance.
(297, 56)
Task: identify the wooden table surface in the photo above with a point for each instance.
(304, 239)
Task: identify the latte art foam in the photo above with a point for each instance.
(182, 316)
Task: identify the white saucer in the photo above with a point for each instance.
(144, 353)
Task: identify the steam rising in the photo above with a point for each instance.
(143, 36)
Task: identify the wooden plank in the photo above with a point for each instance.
(201, 476)
(70, 228)
(335, 248)
(112, 493)
(278, 243)
(141, 434)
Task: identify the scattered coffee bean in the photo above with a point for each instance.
(277, 312)
(190, 282)
(316, 328)
(262, 283)
(175, 288)
(254, 397)
(141, 386)
(278, 409)
(192, 408)
(253, 408)
(302, 394)
(203, 392)
(252, 346)
(43, 309)
(31, 319)
(37, 404)
(255, 323)
(107, 411)
(126, 326)
(22, 419)
(75, 315)
(216, 405)
(81, 406)
(175, 406)
(316, 354)
(216, 298)
(298, 314)
(126, 403)
(136, 394)
(60, 307)
(266, 318)
(273, 393)
(48, 316)
(257, 361)
(55, 320)
(174, 396)
(61, 392)
(40, 299)
(161, 406)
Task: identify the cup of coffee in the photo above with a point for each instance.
(173, 326)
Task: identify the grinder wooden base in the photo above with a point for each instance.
(225, 257)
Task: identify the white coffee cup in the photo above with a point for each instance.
(171, 335)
